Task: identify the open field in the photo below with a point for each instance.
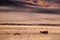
(29, 32)
(30, 37)
(29, 15)
(29, 18)
(36, 25)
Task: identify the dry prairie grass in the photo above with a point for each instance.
(30, 37)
